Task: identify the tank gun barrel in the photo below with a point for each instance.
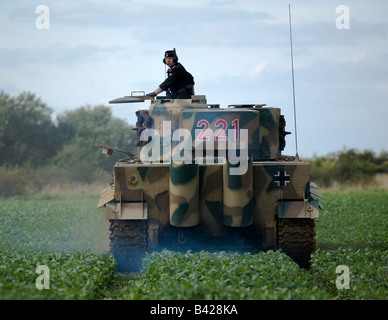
(136, 96)
(109, 150)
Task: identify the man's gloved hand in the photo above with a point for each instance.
(151, 94)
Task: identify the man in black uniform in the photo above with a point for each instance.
(179, 84)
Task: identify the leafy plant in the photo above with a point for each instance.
(71, 276)
(368, 272)
(354, 220)
(223, 275)
(66, 235)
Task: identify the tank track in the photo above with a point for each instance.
(128, 243)
(296, 237)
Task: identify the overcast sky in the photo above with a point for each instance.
(238, 52)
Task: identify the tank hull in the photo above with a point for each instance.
(209, 178)
(209, 218)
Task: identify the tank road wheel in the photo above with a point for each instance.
(128, 243)
(296, 237)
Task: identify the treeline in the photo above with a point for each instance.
(37, 150)
(348, 167)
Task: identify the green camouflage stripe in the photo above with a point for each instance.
(184, 194)
(238, 197)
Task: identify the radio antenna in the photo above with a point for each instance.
(293, 81)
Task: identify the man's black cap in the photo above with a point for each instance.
(170, 53)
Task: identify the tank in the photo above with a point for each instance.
(208, 178)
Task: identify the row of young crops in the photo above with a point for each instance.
(195, 276)
(71, 241)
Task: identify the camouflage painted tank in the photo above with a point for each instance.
(209, 178)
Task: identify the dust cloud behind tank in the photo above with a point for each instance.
(207, 177)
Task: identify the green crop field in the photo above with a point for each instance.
(70, 237)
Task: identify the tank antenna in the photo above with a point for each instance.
(293, 81)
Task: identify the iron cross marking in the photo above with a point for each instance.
(281, 178)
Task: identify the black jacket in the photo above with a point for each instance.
(179, 83)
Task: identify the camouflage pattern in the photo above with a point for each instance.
(276, 181)
(263, 129)
(184, 194)
(210, 198)
(265, 125)
(203, 195)
(238, 197)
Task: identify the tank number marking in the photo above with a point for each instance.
(220, 134)
(205, 125)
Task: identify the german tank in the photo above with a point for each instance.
(209, 178)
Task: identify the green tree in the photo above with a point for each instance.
(83, 128)
(27, 132)
(348, 167)
(354, 167)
